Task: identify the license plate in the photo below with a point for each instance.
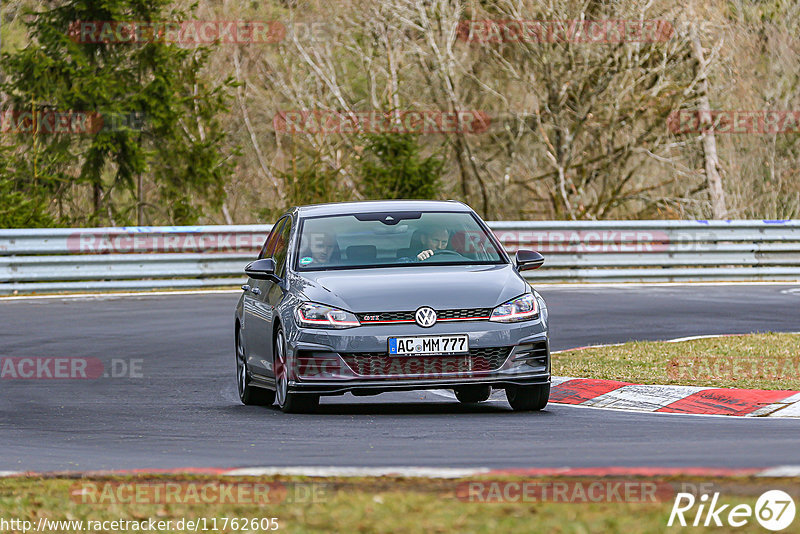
(429, 344)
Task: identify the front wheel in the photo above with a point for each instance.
(528, 398)
(248, 393)
(289, 402)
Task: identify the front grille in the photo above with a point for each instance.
(380, 317)
(477, 313)
(442, 315)
(382, 364)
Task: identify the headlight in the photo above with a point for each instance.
(313, 315)
(520, 309)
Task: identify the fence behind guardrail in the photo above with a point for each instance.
(49, 260)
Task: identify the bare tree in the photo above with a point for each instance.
(712, 165)
(578, 127)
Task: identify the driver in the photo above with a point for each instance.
(433, 240)
(321, 249)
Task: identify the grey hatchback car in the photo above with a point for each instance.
(378, 296)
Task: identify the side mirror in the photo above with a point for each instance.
(261, 269)
(528, 260)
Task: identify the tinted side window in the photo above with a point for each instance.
(269, 244)
(282, 248)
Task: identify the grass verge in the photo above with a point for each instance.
(374, 504)
(753, 361)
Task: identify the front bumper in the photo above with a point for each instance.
(322, 360)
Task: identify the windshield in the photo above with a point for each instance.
(392, 239)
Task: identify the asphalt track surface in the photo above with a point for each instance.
(184, 411)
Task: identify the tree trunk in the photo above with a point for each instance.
(712, 166)
(98, 197)
(140, 200)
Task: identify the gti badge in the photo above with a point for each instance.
(425, 317)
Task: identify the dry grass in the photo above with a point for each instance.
(756, 361)
(381, 505)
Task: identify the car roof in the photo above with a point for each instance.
(369, 206)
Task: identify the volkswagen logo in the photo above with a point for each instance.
(425, 317)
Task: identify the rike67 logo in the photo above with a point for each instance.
(774, 510)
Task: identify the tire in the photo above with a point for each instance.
(528, 398)
(248, 393)
(472, 394)
(288, 402)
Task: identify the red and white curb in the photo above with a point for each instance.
(792, 471)
(692, 400)
(675, 399)
(688, 400)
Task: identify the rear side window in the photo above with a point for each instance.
(269, 244)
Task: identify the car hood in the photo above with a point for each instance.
(408, 288)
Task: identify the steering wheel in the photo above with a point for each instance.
(443, 251)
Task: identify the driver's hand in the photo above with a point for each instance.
(424, 255)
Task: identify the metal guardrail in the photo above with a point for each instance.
(47, 260)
